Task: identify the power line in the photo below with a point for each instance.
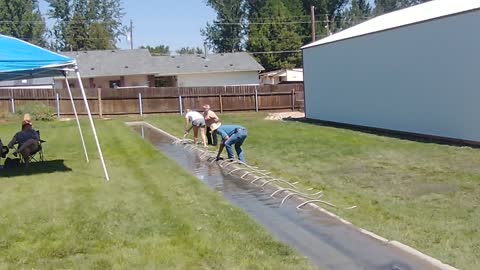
(246, 22)
(275, 52)
(262, 23)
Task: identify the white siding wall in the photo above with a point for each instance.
(104, 82)
(294, 76)
(136, 80)
(218, 79)
(424, 78)
(132, 80)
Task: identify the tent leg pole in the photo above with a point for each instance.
(92, 125)
(78, 120)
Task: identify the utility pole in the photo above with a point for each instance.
(131, 34)
(327, 25)
(312, 15)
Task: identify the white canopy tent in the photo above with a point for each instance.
(22, 60)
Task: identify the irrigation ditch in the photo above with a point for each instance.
(294, 216)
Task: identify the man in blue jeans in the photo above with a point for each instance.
(231, 135)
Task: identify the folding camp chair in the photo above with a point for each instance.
(36, 156)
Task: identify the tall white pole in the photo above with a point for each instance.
(92, 124)
(140, 104)
(57, 102)
(256, 99)
(76, 117)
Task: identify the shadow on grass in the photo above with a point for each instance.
(45, 167)
(389, 133)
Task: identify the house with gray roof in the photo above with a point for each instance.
(138, 68)
(35, 83)
(208, 70)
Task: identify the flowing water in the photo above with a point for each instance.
(324, 240)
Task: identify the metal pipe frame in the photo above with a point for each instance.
(296, 194)
(312, 201)
(259, 177)
(277, 180)
(264, 174)
(295, 191)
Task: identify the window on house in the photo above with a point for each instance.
(114, 83)
(160, 82)
(165, 81)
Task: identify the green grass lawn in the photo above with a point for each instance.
(152, 215)
(425, 195)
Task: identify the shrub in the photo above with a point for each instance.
(37, 110)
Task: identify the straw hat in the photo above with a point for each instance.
(27, 117)
(215, 126)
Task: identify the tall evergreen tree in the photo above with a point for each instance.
(385, 6)
(110, 15)
(225, 34)
(359, 11)
(78, 27)
(328, 13)
(86, 24)
(100, 38)
(274, 36)
(22, 19)
(61, 11)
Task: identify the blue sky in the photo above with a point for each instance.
(173, 23)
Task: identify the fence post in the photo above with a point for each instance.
(221, 103)
(13, 105)
(100, 106)
(57, 99)
(180, 104)
(293, 100)
(256, 99)
(140, 104)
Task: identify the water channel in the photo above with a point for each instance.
(324, 240)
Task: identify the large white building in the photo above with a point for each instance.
(415, 70)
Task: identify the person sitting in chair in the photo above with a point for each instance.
(27, 139)
(3, 151)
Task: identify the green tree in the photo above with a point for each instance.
(274, 36)
(359, 11)
(188, 50)
(271, 26)
(86, 24)
(385, 6)
(22, 19)
(157, 50)
(110, 14)
(225, 34)
(100, 38)
(78, 27)
(328, 16)
(61, 11)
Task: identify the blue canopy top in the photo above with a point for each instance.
(22, 60)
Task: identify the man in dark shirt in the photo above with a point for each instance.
(231, 135)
